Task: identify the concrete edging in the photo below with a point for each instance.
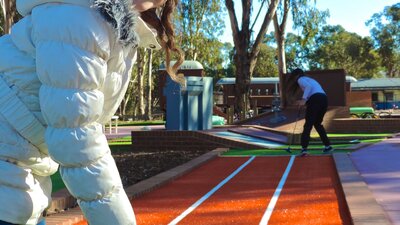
(363, 207)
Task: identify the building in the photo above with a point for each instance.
(264, 90)
(384, 92)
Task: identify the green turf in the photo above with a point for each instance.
(372, 141)
(58, 184)
(272, 152)
(141, 123)
(313, 149)
(355, 136)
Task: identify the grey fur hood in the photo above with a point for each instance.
(121, 15)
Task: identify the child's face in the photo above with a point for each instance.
(143, 5)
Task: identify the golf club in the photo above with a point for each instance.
(294, 129)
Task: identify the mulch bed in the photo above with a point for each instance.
(137, 166)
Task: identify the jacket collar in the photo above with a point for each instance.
(123, 18)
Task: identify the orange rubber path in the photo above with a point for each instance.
(311, 194)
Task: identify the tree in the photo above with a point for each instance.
(296, 53)
(140, 100)
(246, 50)
(199, 24)
(337, 48)
(385, 32)
(306, 17)
(266, 62)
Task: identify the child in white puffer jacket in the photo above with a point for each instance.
(64, 70)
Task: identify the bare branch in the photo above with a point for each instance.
(246, 6)
(286, 8)
(4, 11)
(267, 20)
(258, 14)
(233, 19)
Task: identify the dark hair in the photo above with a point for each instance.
(297, 73)
(160, 19)
(292, 87)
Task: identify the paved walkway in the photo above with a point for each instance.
(379, 165)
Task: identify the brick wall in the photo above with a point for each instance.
(182, 140)
(356, 125)
(359, 99)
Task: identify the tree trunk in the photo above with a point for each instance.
(242, 84)
(123, 106)
(140, 74)
(247, 50)
(3, 13)
(10, 14)
(148, 109)
(142, 61)
(280, 40)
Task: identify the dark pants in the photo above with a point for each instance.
(317, 105)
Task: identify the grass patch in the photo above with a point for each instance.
(120, 141)
(141, 123)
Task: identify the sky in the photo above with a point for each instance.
(350, 14)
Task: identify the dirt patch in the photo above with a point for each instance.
(137, 166)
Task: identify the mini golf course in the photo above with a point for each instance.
(260, 186)
(249, 190)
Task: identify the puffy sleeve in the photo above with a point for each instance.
(71, 63)
(72, 49)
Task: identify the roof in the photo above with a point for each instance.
(186, 65)
(266, 80)
(254, 80)
(377, 84)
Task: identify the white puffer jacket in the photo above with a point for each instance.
(64, 70)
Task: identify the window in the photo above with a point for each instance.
(389, 96)
(374, 96)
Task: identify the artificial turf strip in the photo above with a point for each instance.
(57, 182)
(273, 152)
(355, 136)
(313, 149)
(372, 141)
